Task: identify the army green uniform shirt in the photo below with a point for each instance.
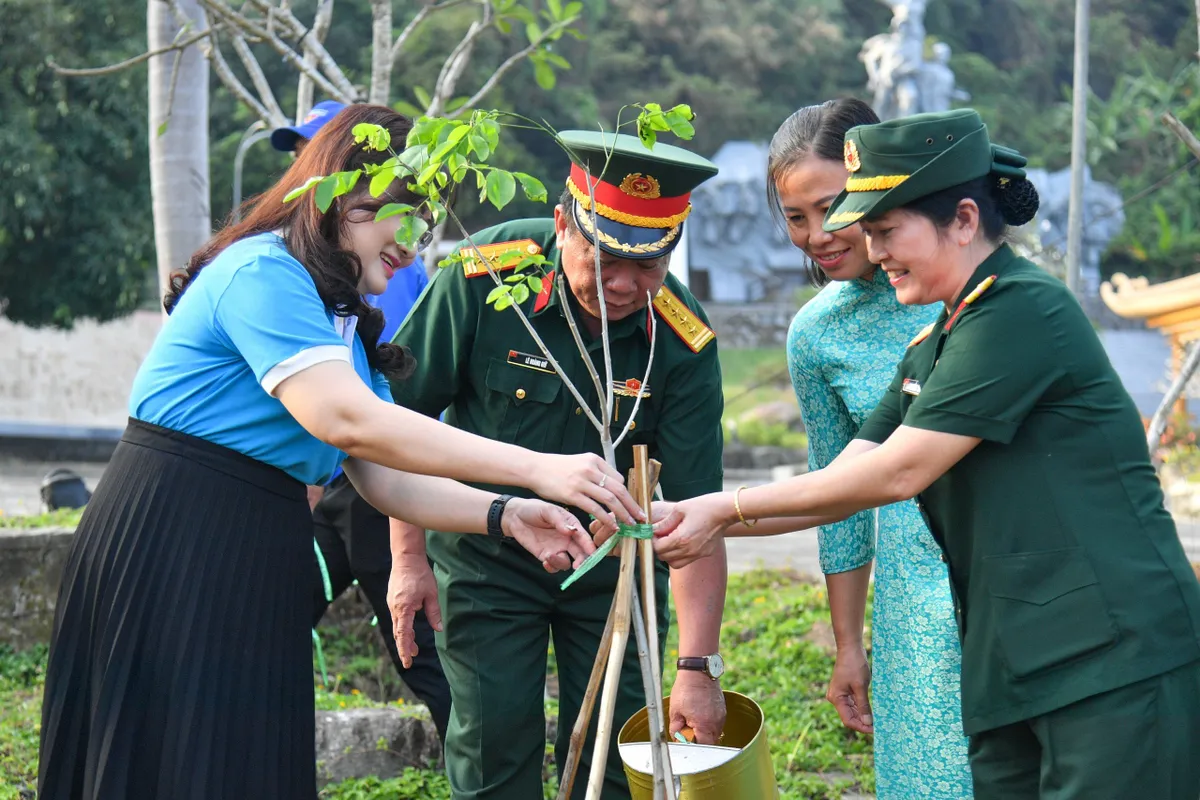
(484, 367)
(1068, 575)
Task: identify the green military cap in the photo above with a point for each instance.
(896, 162)
(642, 195)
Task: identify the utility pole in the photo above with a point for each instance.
(1078, 146)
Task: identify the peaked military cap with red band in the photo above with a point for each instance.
(642, 196)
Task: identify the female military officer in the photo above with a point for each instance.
(1078, 612)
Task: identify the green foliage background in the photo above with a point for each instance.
(75, 233)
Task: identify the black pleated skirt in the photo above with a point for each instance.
(181, 659)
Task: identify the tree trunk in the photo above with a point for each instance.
(179, 186)
(381, 51)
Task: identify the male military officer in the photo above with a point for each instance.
(500, 607)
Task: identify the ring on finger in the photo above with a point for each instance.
(603, 478)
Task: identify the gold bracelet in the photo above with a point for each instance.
(737, 506)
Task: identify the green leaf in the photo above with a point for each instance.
(533, 188)
(497, 293)
(533, 31)
(325, 189)
(491, 129)
(302, 190)
(503, 26)
(535, 283)
(479, 143)
(520, 293)
(426, 130)
(684, 110)
(391, 210)
(522, 13)
(681, 127)
(438, 211)
(647, 135)
(411, 229)
(451, 260)
(557, 60)
(543, 73)
(407, 109)
(514, 279)
(422, 96)
(555, 8)
(500, 188)
(504, 302)
(163, 127)
(457, 103)
(382, 180)
(575, 33)
(572, 10)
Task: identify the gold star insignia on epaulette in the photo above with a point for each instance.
(694, 333)
(501, 255)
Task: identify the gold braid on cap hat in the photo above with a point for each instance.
(585, 220)
(616, 215)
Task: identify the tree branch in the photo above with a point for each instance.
(276, 117)
(289, 55)
(220, 66)
(1179, 129)
(381, 52)
(304, 87)
(346, 91)
(88, 72)
(508, 64)
(454, 64)
(432, 8)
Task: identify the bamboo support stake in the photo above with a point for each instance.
(579, 733)
(664, 775)
(612, 677)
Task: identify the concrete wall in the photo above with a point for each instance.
(77, 378)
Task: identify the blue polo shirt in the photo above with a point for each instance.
(249, 320)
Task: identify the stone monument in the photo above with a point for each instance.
(1103, 218)
(900, 79)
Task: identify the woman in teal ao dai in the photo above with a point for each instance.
(843, 348)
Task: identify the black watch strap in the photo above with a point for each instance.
(495, 514)
(700, 664)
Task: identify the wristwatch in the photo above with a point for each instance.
(495, 514)
(713, 666)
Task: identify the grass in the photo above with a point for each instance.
(773, 649)
(63, 518)
(752, 378)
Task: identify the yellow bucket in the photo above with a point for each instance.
(739, 769)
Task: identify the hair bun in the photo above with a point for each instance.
(1017, 199)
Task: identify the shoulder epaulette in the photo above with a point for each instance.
(923, 335)
(501, 255)
(694, 333)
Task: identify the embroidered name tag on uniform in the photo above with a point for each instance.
(911, 386)
(528, 361)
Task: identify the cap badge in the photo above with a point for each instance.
(642, 186)
(850, 151)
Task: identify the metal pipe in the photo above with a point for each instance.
(1078, 146)
(248, 139)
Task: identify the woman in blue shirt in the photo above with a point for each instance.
(180, 664)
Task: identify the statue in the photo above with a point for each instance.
(935, 82)
(899, 78)
(1103, 218)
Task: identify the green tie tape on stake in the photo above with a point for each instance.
(642, 530)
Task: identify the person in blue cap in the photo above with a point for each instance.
(352, 536)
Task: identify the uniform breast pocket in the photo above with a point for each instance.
(1048, 608)
(527, 400)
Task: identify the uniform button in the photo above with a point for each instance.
(578, 411)
(520, 394)
(632, 425)
(943, 557)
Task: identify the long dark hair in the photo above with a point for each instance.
(818, 130)
(313, 237)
